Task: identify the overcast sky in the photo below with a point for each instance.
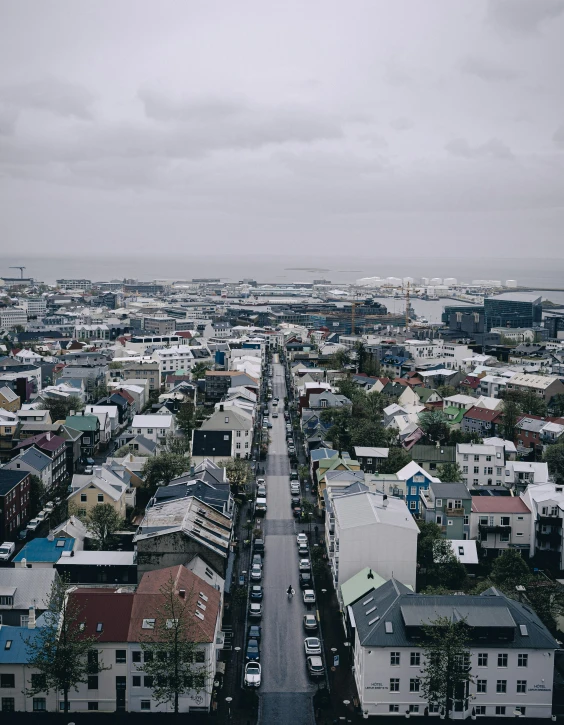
(385, 127)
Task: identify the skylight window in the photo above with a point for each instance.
(148, 624)
(389, 628)
(100, 627)
(369, 611)
(367, 601)
(202, 606)
(199, 615)
(523, 629)
(204, 597)
(8, 644)
(373, 621)
(60, 543)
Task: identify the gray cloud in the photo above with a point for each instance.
(50, 94)
(402, 123)
(558, 137)
(485, 69)
(493, 149)
(523, 16)
(8, 118)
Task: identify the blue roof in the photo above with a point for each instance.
(45, 550)
(323, 453)
(35, 458)
(16, 653)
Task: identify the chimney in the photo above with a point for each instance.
(72, 412)
(31, 620)
(182, 593)
(50, 536)
(385, 500)
(23, 563)
(48, 436)
(98, 471)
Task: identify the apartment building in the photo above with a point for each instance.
(155, 427)
(511, 654)
(14, 502)
(545, 386)
(500, 523)
(448, 505)
(481, 465)
(546, 503)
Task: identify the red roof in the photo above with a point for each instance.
(43, 441)
(108, 607)
(477, 413)
(124, 394)
(471, 381)
(499, 504)
(186, 334)
(149, 599)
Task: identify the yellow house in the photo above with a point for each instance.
(9, 400)
(102, 486)
(332, 464)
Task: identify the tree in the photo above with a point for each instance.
(59, 650)
(238, 472)
(435, 425)
(340, 359)
(99, 391)
(199, 370)
(509, 570)
(445, 391)
(61, 408)
(103, 521)
(449, 473)
(177, 444)
(185, 418)
(339, 432)
(445, 675)
(547, 599)
(37, 492)
(115, 366)
(511, 413)
(554, 456)
(436, 562)
(161, 469)
(396, 460)
(172, 657)
(557, 405)
(303, 472)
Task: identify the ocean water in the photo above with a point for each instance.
(530, 272)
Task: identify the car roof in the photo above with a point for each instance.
(316, 660)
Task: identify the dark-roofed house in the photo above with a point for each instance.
(24, 588)
(173, 532)
(447, 505)
(89, 426)
(53, 446)
(14, 502)
(431, 457)
(511, 653)
(213, 444)
(481, 420)
(35, 462)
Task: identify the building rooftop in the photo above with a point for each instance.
(44, 550)
(499, 504)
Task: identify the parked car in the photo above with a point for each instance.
(275, 415)
(252, 674)
(261, 482)
(258, 546)
(49, 506)
(34, 524)
(305, 565)
(256, 593)
(309, 596)
(257, 559)
(295, 488)
(315, 666)
(305, 580)
(255, 610)
(255, 632)
(43, 515)
(6, 550)
(261, 491)
(253, 651)
(297, 511)
(303, 550)
(268, 424)
(294, 476)
(301, 538)
(256, 572)
(312, 646)
(295, 500)
(22, 536)
(310, 622)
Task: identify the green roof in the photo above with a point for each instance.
(424, 393)
(82, 422)
(442, 454)
(360, 584)
(454, 415)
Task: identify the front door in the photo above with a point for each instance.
(121, 683)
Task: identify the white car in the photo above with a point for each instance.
(33, 524)
(309, 596)
(301, 539)
(255, 610)
(256, 572)
(312, 646)
(6, 550)
(252, 674)
(295, 489)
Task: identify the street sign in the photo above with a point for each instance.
(336, 661)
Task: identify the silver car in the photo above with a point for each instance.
(312, 646)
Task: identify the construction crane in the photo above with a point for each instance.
(407, 290)
(21, 270)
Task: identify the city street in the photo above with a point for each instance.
(286, 692)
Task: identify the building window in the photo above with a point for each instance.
(145, 704)
(480, 709)
(148, 681)
(481, 686)
(502, 660)
(500, 710)
(136, 656)
(521, 709)
(449, 522)
(501, 687)
(92, 682)
(521, 686)
(439, 502)
(476, 458)
(238, 434)
(413, 490)
(92, 706)
(7, 681)
(414, 659)
(505, 521)
(464, 469)
(394, 684)
(8, 704)
(83, 497)
(413, 505)
(121, 656)
(482, 659)
(393, 708)
(394, 659)
(465, 457)
(136, 680)
(476, 469)
(24, 620)
(100, 498)
(522, 660)
(475, 482)
(414, 708)
(414, 684)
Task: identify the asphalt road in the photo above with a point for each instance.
(286, 689)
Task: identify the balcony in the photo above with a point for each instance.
(494, 529)
(553, 538)
(550, 521)
(455, 512)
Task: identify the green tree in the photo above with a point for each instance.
(238, 472)
(396, 460)
(60, 409)
(199, 370)
(445, 674)
(59, 649)
(99, 391)
(554, 456)
(177, 444)
(511, 413)
(160, 470)
(557, 405)
(446, 391)
(303, 472)
(449, 473)
(510, 570)
(103, 521)
(435, 425)
(339, 360)
(185, 418)
(115, 366)
(547, 599)
(172, 657)
(339, 432)
(436, 562)
(37, 494)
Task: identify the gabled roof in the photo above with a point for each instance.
(104, 479)
(476, 413)
(35, 458)
(83, 422)
(31, 586)
(359, 585)
(110, 608)
(14, 644)
(499, 504)
(10, 479)
(432, 454)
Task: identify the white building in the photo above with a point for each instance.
(34, 306)
(373, 530)
(511, 654)
(155, 427)
(10, 317)
(546, 502)
(481, 465)
(500, 523)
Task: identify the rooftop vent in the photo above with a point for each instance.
(367, 601)
(373, 621)
(369, 611)
(199, 615)
(389, 628)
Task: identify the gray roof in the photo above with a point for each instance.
(29, 587)
(450, 490)
(432, 454)
(381, 619)
(36, 459)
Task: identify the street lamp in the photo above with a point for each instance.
(228, 700)
(323, 593)
(237, 650)
(347, 644)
